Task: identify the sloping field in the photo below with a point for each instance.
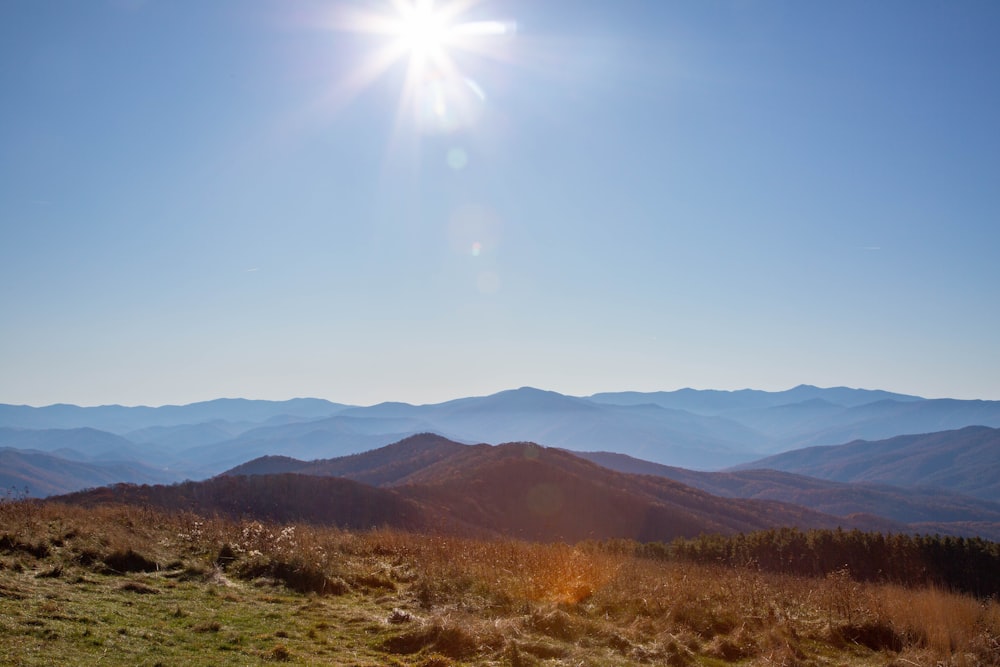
(116, 585)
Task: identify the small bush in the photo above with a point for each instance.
(226, 556)
(207, 626)
(297, 577)
(280, 653)
(875, 635)
(10, 544)
(447, 639)
(53, 573)
(121, 562)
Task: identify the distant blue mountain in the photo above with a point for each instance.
(695, 429)
(965, 461)
(716, 402)
(84, 444)
(323, 438)
(121, 419)
(41, 474)
(808, 415)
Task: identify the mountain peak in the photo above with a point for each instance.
(532, 398)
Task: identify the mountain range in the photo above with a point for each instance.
(516, 489)
(963, 461)
(698, 429)
(919, 507)
(930, 463)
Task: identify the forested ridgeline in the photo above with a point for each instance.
(968, 565)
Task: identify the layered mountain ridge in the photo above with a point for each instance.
(519, 490)
(687, 432)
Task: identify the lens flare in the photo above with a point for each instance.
(422, 30)
(437, 94)
(457, 158)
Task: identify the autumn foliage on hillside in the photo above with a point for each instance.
(283, 497)
(519, 490)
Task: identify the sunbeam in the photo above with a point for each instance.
(437, 94)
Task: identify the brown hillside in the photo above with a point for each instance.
(534, 492)
(517, 489)
(384, 466)
(283, 497)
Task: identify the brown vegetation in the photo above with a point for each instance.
(518, 490)
(438, 600)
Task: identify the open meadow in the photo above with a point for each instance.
(118, 585)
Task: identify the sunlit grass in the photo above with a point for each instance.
(227, 592)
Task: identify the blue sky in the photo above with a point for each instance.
(207, 199)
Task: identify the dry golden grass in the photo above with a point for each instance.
(440, 600)
(946, 626)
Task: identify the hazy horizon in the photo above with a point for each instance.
(455, 397)
(351, 201)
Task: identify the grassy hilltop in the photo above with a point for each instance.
(118, 585)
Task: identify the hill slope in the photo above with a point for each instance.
(39, 474)
(965, 461)
(387, 465)
(282, 497)
(924, 509)
(517, 489)
(540, 493)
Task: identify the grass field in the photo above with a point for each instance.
(125, 586)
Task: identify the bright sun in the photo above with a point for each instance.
(423, 31)
(441, 95)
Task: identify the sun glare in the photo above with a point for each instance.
(423, 31)
(438, 94)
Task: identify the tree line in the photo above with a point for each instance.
(963, 564)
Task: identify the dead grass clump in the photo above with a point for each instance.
(676, 655)
(121, 562)
(226, 556)
(298, 577)
(944, 623)
(280, 653)
(732, 648)
(785, 655)
(527, 650)
(11, 544)
(556, 623)
(207, 626)
(706, 620)
(412, 641)
(875, 635)
(449, 640)
(985, 648)
(373, 581)
(53, 572)
(87, 557)
(136, 587)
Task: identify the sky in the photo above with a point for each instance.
(280, 198)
